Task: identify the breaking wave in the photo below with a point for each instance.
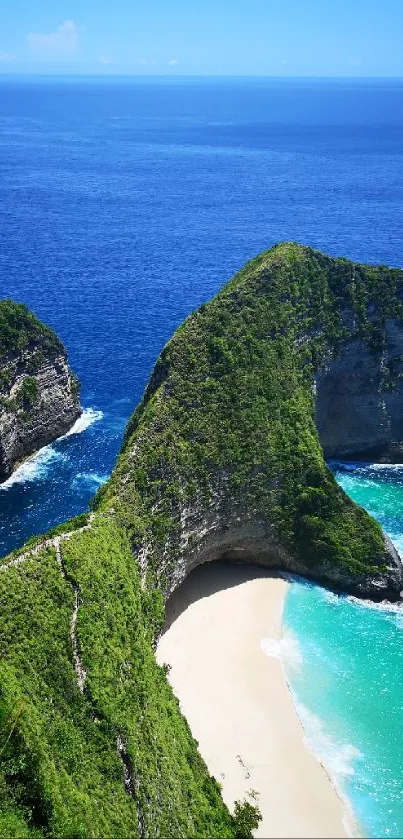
(87, 418)
(337, 758)
(93, 479)
(36, 468)
(285, 649)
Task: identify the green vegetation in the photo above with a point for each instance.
(9, 404)
(246, 817)
(61, 772)
(227, 416)
(32, 385)
(19, 328)
(28, 391)
(24, 398)
(75, 386)
(75, 523)
(231, 395)
(5, 379)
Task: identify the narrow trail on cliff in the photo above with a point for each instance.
(130, 781)
(81, 673)
(55, 543)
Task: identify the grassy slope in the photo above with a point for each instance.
(231, 396)
(19, 327)
(61, 774)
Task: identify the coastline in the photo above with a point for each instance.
(237, 700)
(86, 418)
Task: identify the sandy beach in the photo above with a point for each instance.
(237, 701)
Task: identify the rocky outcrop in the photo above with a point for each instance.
(38, 392)
(233, 532)
(223, 459)
(234, 535)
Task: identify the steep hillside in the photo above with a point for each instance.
(92, 742)
(222, 458)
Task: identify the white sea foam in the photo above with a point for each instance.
(91, 478)
(332, 598)
(285, 649)
(384, 606)
(35, 468)
(365, 466)
(337, 758)
(392, 467)
(336, 599)
(397, 539)
(87, 418)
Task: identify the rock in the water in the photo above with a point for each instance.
(222, 459)
(39, 394)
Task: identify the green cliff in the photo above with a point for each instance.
(222, 459)
(19, 328)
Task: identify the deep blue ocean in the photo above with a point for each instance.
(125, 203)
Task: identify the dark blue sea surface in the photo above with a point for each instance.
(125, 203)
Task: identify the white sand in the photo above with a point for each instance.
(237, 702)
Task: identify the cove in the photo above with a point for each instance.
(347, 682)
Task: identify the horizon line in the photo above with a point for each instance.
(127, 75)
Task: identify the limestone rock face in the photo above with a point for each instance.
(299, 358)
(38, 401)
(232, 533)
(359, 400)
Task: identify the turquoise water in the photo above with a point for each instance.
(346, 671)
(126, 203)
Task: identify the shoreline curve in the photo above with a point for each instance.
(238, 703)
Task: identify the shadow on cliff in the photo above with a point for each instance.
(208, 579)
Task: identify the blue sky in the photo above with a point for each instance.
(230, 37)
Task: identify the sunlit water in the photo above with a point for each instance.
(346, 671)
(124, 205)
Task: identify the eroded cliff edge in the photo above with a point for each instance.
(39, 394)
(222, 458)
(359, 398)
(224, 455)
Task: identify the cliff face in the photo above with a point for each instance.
(223, 458)
(360, 399)
(38, 392)
(299, 356)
